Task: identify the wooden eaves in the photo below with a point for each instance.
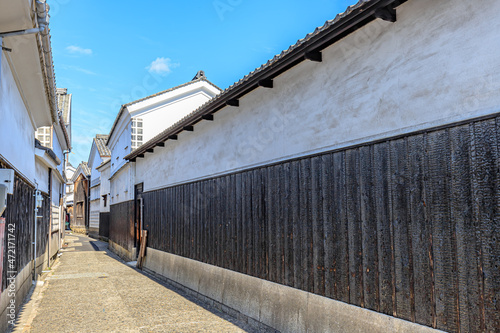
(309, 48)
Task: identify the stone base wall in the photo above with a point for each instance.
(79, 229)
(269, 304)
(122, 252)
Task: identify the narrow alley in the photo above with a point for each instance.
(91, 290)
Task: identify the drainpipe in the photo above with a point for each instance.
(41, 17)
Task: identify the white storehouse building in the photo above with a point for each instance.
(99, 153)
(140, 121)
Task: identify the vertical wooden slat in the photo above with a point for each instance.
(486, 191)
(288, 226)
(260, 230)
(239, 224)
(256, 222)
(400, 220)
(279, 222)
(445, 278)
(296, 232)
(461, 214)
(226, 221)
(369, 231)
(340, 229)
(420, 234)
(212, 223)
(327, 193)
(354, 228)
(271, 220)
(381, 178)
(247, 218)
(306, 225)
(262, 194)
(317, 227)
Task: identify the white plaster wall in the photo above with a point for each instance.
(57, 149)
(95, 192)
(42, 176)
(105, 188)
(57, 189)
(95, 175)
(17, 133)
(121, 185)
(437, 64)
(94, 214)
(158, 119)
(120, 147)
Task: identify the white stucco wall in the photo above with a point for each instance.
(57, 189)
(105, 187)
(160, 118)
(121, 185)
(121, 143)
(17, 133)
(94, 161)
(437, 64)
(58, 150)
(94, 214)
(42, 176)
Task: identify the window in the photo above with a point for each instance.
(79, 209)
(44, 135)
(136, 136)
(105, 199)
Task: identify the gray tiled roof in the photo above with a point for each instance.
(100, 142)
(64, 103)
(85, 168)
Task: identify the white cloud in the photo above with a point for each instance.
(73, 49)
(162, 66)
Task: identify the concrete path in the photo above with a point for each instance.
(91, 290)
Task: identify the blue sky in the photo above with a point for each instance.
(108, 53)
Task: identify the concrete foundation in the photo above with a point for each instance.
(94, 232)
(21, 287)
(272, 305)
(122, 252)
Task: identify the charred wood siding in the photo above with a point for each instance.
(104, 224)
(20, 217)
(121, 224)
(81, 202)
(408, 227)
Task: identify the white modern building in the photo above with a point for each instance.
(104, 213)
(99, 153)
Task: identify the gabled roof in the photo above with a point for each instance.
(201, 78)
(307, 48)
(83, 169)
(100, 142)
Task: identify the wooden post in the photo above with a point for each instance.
(140, 259)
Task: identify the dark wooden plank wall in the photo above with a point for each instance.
(408, 227)
(104, 224)
(121, 224)
(20, 213)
